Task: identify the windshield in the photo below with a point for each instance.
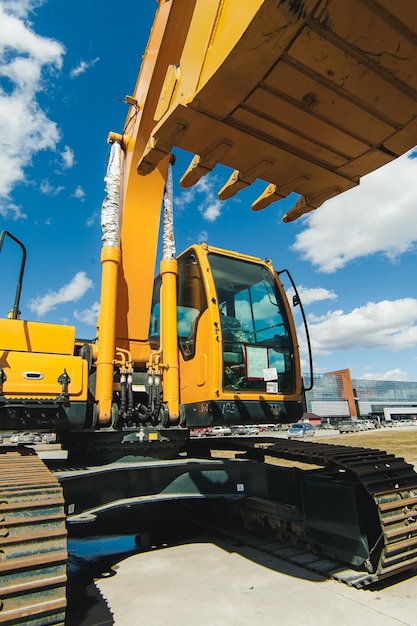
(257, 348)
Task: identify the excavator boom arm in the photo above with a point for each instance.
(308, 96)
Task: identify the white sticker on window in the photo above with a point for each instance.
(270, 373)
(271, 387)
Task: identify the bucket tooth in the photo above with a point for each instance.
(201, 165)
(233, 185)
(241, 180)
(301, 207)
(266, 198)
(193, 173)
(308, 203)
(273, 193)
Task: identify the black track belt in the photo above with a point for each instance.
(32, 541)
(389, 481)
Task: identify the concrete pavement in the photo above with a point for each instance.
(205, 584)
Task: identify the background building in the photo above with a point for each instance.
(335, 394)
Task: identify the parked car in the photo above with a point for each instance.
(219, 431)
(248, 430)
(366, 424)
(23, 438)
(49, 438)
(269, 428)
(301, 429)
(199, 432)
(348, 426)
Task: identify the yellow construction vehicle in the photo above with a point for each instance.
(308, 96)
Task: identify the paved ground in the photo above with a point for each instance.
(202, 584)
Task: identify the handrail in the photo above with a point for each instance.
(15, 311)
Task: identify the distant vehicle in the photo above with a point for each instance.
(269, 427)
(49, 438)
(199, 432)
(281, 427)
(301, 429)
(1, 438)
(366, 424)
(219, 431)
(245, 429)
(23, 438)
(249, 430)
(348, 426)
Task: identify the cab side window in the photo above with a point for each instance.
(191, 303)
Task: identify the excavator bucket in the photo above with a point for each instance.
(307, 95)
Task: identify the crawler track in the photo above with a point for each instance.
(389, 481)
(33, 532)
(32, 541)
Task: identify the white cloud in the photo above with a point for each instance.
(67, 156)
(13, 211)
(204, 193)
(25, 59)
(79, 193)
(88, 316)
(184, 199)
(16, 34)
(48, 190)
(21, 8)
(202, 236)
(212, 211)
(83, 67)
(386, 324)
(71, 292)
(395, 374)
(380, 215)
(309, 295)
(91, 220)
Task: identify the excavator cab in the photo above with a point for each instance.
(254, 325)
(232, 313)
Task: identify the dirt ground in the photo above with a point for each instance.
(402, 443)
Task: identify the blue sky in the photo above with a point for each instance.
(65, 69)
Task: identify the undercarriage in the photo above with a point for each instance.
(353, 510)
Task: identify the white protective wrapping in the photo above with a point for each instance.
(111, 203)
(168, 239)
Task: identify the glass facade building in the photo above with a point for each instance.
(375, 395)
(336, 395)
(328, 397)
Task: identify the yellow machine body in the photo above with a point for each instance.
(307, 96)
(34, 355)
(239, 358)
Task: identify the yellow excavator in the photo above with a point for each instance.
(307, 96)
